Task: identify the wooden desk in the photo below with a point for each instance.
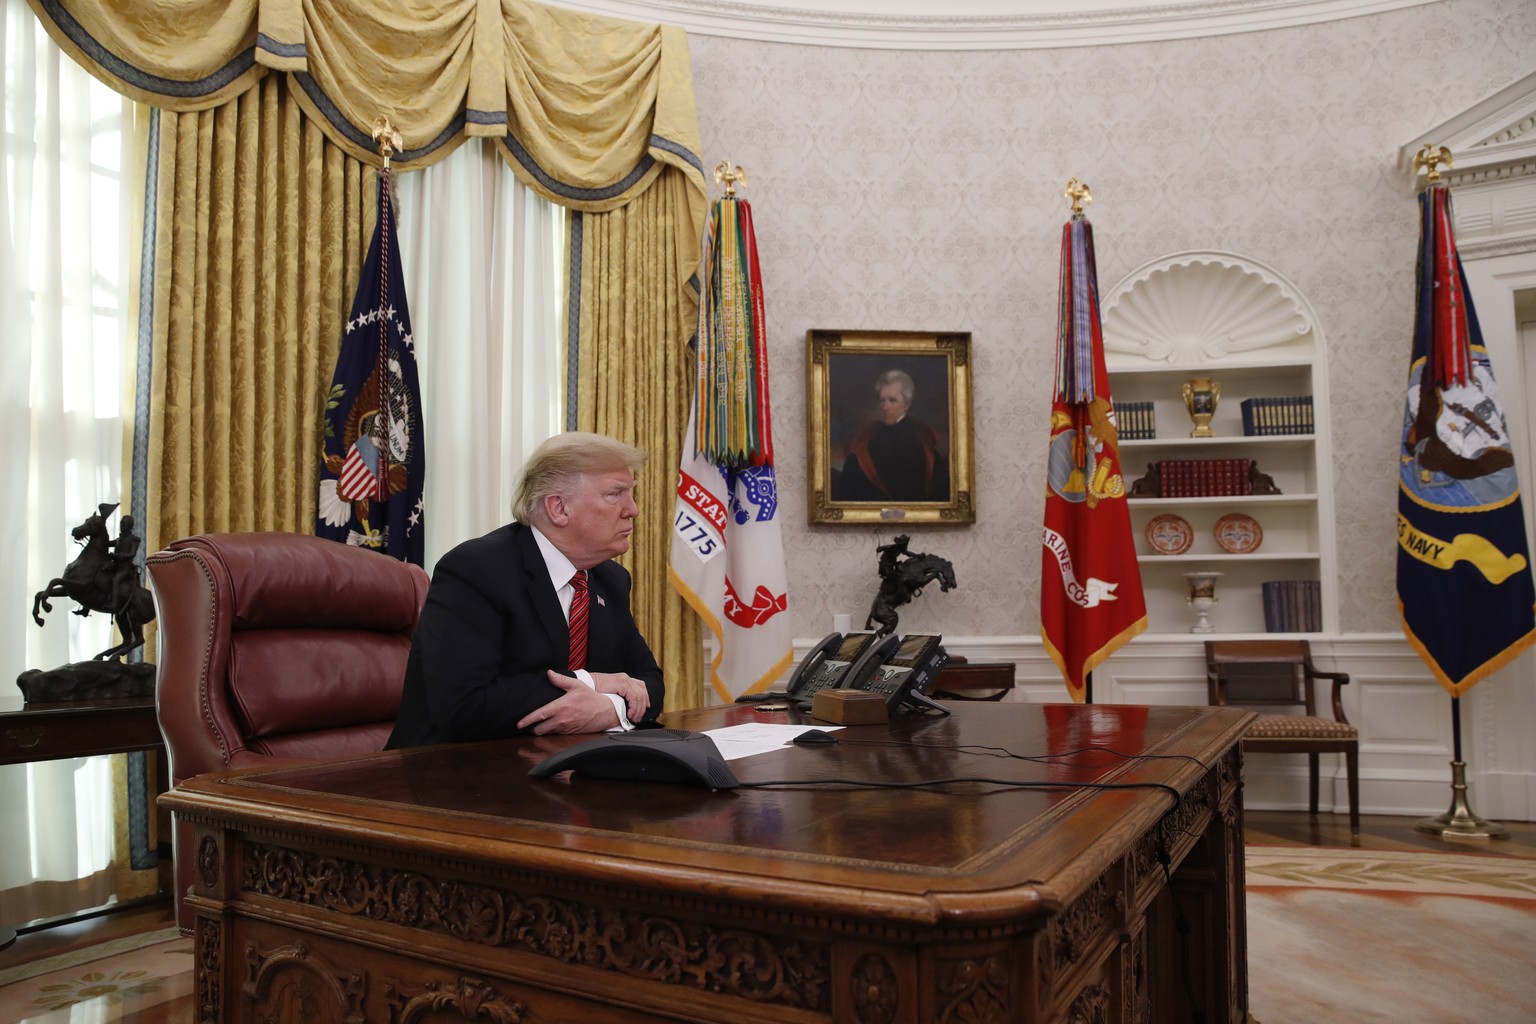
(76, 728)
(445, 881)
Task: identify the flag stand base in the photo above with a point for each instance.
(1459, 822)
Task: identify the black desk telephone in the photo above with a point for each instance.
(823, 665)
(900, 669)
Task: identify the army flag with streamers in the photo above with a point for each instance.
(1463, 573)
(373, 467)
(727, 546)
(1091, 600)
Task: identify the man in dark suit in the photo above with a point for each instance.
(493, 652)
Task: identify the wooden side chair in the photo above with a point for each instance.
(1280, 673)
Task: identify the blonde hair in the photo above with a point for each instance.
(557, 463)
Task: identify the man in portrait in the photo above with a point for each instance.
(895, 457)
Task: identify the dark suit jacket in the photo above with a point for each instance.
(489, 630)
(903, 461)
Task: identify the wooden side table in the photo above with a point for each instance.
(960, 679)
(51, 730)
(47, 731)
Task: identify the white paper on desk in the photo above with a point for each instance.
(737, 741)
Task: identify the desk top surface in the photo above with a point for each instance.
(910, 851)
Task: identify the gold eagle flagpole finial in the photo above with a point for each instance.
(387, 136)
(728, 174)
(1429, 159)
(1080, 195)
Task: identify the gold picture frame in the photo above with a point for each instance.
(855, 384)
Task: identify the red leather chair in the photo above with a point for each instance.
(275, 648)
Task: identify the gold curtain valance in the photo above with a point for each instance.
(587, 108)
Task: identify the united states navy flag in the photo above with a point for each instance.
(373, 470)
(1463, 576)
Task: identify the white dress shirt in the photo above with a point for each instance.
(562, 568)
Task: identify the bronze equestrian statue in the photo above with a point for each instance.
(104, 577)
(902, 577)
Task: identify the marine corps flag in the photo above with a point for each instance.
(372, 470)
(727, 547)
(1090, 586)
(1463, 578)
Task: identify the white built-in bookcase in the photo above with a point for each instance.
(1241, 323)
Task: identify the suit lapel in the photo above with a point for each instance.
(541, 590)
(598, 623)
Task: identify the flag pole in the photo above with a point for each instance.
(1077, 194)
(1460, 822)
(727, 551)
(389, 139)
(1091, 600)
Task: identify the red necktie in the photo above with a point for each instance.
(578, 620)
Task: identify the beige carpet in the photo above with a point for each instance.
(1357, 937)
(102, 982)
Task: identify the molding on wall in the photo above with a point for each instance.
(1494, 247)
(1492, 143)
(980, 24)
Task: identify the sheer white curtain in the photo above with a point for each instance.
(482, 264)
(481, 255)
(64, 292)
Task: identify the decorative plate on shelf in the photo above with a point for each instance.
(1238, 534)
(1169, 534)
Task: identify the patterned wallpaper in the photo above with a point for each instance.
(911, 190)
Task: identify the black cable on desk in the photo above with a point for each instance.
(982, 779)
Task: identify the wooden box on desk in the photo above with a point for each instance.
(850, 707)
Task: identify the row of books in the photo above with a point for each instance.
(1203, 478)
(1136, 421)
(1293, 606)
(1263, 417)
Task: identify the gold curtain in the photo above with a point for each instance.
(634, 382)
(591, 107)
(266, 200)
(261, 227)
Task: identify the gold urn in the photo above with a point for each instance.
(1200, 397)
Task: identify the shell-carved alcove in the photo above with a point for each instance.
(1200, 306)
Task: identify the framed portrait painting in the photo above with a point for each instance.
(889, 427)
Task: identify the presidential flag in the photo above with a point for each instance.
(1463, 575)
(373, 467)
(1090, 586)
(727, 549)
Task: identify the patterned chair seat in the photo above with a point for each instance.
(1275, 727)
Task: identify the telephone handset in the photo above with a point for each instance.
(822, 666)
(901, 670)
